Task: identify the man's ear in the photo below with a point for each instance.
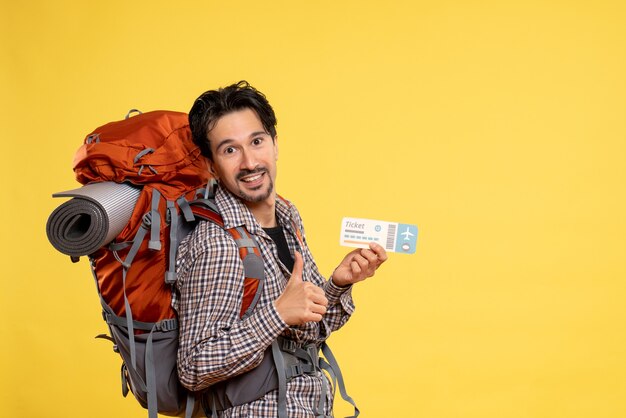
(212, 169)
(276, 146)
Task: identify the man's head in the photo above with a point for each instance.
(213, 104)
(235, 128)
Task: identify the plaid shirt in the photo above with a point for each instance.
(215, 344)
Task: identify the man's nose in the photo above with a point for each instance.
(248, 160)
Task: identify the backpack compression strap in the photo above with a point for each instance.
(248, 251)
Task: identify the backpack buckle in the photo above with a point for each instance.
(289, 346)
(167, 325)
(146, 220)
(296, 370)
(313, 353)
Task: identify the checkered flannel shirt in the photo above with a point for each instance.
(215, 344)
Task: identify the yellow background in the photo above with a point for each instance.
(497, 127)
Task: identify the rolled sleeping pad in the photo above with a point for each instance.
(93, 218)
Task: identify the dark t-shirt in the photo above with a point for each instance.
(278, 236)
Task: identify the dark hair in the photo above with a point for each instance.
(213, 104)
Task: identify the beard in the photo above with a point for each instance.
(258, 197)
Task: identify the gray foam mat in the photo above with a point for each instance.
(94, 216)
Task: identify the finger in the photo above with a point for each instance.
(319, 299)
(298, 265)
(381, 254)
(351, 254)
(371, 256)
(313, 317)
(356, 269)
(315, 293)
(318, 309)
(372, 260)
(362, 261)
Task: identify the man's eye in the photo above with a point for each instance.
(257, 141)
(229, 150)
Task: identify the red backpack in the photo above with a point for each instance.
(153, 155)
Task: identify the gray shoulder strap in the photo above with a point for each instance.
(332, 367)
(151, 378)
(191, 403)
(170, 274)
(279, 361)
(183, 204)
(155, 222)
(252, 265)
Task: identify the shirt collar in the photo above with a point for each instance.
(235, 213)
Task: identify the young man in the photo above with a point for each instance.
(235, 128)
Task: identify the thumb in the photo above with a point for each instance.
(296, 273)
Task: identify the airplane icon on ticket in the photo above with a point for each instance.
(407, 234)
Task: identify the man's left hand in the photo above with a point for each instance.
(359, 264)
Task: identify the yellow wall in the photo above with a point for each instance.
(497, 127)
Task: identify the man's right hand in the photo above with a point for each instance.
(301, 301)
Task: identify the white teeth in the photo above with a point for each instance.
(251, 179)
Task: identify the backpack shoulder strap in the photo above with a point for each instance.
(253, 269)
(248, 251)
(205, 209)
(296, 230)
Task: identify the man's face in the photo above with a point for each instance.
(244, 156)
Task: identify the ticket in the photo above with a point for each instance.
(394, 237)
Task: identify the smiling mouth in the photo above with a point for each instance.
(252, 178)
(254, 185)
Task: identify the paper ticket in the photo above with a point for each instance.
(394, 237)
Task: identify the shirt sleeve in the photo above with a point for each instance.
(215, 344)
(340, 303)
(340, 306)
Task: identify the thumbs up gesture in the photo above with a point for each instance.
(301, 301)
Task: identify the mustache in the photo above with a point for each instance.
(244, 173)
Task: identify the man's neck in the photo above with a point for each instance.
(264, 212)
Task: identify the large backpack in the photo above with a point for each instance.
(135, 272)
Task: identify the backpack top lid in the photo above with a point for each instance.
(150, 148)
